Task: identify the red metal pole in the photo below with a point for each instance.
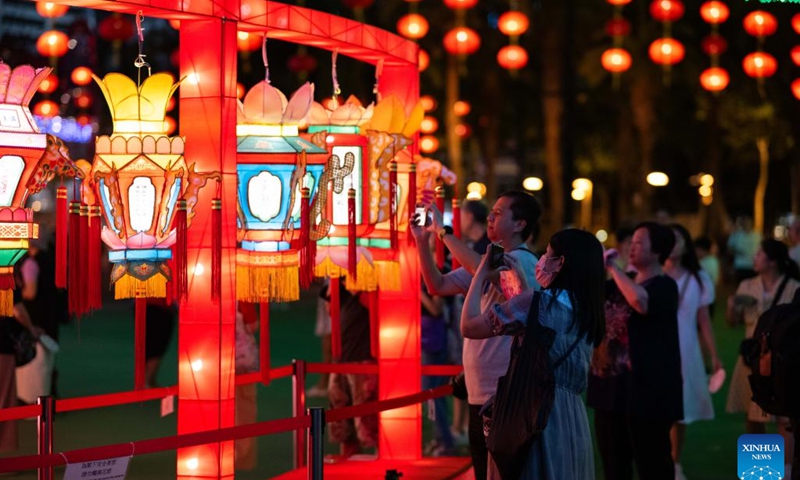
(298, 410)
(44, 429)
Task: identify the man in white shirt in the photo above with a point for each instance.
(743, 245)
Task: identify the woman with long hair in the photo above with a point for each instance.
(695, 294)
(572, 275)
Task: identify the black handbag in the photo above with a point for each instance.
(750, 348)
(20, 339)
(525, 396)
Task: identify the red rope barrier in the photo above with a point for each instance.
(18, 413)
(361, 368)
(441, 370)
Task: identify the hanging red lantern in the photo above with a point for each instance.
(52, 44)
(513, 23)
(46, 108)
(714, 44)
(796, 88)
(666, 10)
(301, 63)
(81, 76)
(462, 108)
(617, 27)
(49, 84)
(463, 131)
(429, 125)
(666, 51)
(616, 60)
(459, 4)
(714, 79)
(240, 91)
(760, 65)
(83, 99)
(423, 60)
(512, 57)
(427, 102)
(714, 12)
(796, 55)
(248, 42)
(170, 125)
(413, 26)
(796, 23)
(116, 28)
(84, 119)
(462, 40)
(51, 10)
(358, 3)
(619, 2)
(760, 24)
(428, 144)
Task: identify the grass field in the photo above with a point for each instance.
(97, 357)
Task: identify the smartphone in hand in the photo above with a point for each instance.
(421, 216)
(496, 256)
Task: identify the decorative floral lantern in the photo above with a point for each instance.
(140, 175)
(278, 172)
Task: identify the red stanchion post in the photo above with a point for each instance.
(298, 410)
(44, 430)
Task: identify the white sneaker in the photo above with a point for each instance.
(679, 472)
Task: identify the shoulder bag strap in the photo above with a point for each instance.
(569, 352)
(779, 293)
(533, 319)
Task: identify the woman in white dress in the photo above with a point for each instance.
(696, 293)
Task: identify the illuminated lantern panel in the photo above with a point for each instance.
(666, 51)
(81, 76)
(428, 144)
(760, 65)
(714, 44)
(616, 60)
(714, 79)
(49, 84)
(52, 44)
(462, 108)
(617, 27)
(51, 10)
(456, 4)
(413, 26)
(512, 57)
(714, 12)
(462, 41)
(423, 59)
(428, 103)
(796, 88)
(513, 23)
(248, 42)
(760, 24)
(666, 10)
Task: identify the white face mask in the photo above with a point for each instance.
(545, 274)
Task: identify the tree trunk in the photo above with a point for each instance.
(761, 189)
(717, 215)
(553, 110)
(644, 119)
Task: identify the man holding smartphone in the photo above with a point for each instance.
(511, 221)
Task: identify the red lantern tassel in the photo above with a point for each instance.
(216, 249)
(180, 279)
(83, 260)
(95, 296)
(61, 237)
(336, 316)
(456, 227)
(393, 205)
(140, 329)
(74, 246)
(7, 286)
(439, 243)
(412, 195)
(306, 259)
(352, 259)
(263, 340)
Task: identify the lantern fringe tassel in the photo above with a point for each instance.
(267, 284)
(366, 277)
(388, 273)
(181, 280)
(62, 223)
(75, 304)
(7, 303)
(128, 287)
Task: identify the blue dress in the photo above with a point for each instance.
(564, 451)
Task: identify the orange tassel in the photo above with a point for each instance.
(352, 259)
(216, 249)
(180, 279)
(393, 205)
(61, 237)
(456, 226)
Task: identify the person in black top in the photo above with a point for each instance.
(635, 383)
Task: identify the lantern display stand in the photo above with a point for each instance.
(208, 143)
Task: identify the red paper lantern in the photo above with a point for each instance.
(248, 42)
(666, 10)
(457, 4)
(462, 40)
(796, 23)
(240, 91)
(49, 84)
(463, 131)
(796, 88)
(84, 119)
(358, 3)
(81, 76)
(52, 44)
(83, 100)
(413, 26)
(427, 102)
(462, 108)
(170, 125)
(51, 10)
(616, 60)
(429, 124)
(796, 55)
(428, 144)
(714, 79)
(302, 63)
(617, 27)
(714, 12)
(760, 24)
(116, 28)
(513, 23)
(46, 108)
(512, 57)
(760, 65)
(666, 51)
(423, 60)
(619, 2)
(714, 44)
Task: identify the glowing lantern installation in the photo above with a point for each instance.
(714, 79)
(413, 26)
(616, 59)
(462, 41)
(760, 24)
(278, 172)
(759, 65)
(51, 10)
(513, 57)
(666, 51)
(52, 44)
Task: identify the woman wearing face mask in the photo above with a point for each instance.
(571, 275)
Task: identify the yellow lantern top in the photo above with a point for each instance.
(138, 110)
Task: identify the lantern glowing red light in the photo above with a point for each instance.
(170, 125)
(83, 100)
(423, 60)
(512, 57)
(456, 4)
(51, 10)
(176, 24)
(83, 119)
(714, 79)
(462, 40)
(617, 27)
(427, 102)
(760, 24)
(428, 144)
(760, 65)
(796, 23)
(116, 28)
(666, 51)
(248, 42)
(666, 10)
(413, 26)
(796, 88)
(429, 125)
(616, 60)
(796, 55)
(52, 44)
(714, 12)
(619, 2)
(81, 76)
(714, 44)
(462, 108)
(463, 131)
(46, 108)
(513, 23)
(49, 84)
(240, 91)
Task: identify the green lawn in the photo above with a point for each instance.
(96, 357)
